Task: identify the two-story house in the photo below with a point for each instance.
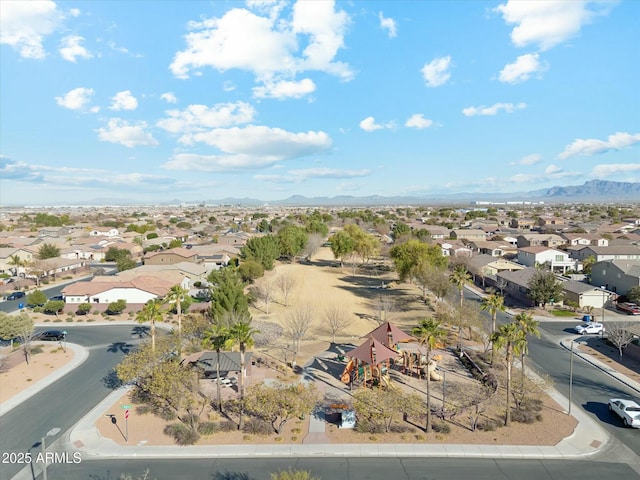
(557, 260)
(619, 276)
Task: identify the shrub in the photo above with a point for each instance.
(182, 434)
(525, 416)
(488, 425)
(208, 428)
(117, 307)
(399, 428)
(257, 426)
(441, 427)
(367, 426)
(84, 308)
(54, 306)
(37, 349)
(228, 426)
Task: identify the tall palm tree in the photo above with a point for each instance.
(242, 335)
(151, 312)
(176, 295)
(494, 303)
(16, 261)
(528, 326)
(459, 277)
(217, 337)
(509, 337)
(428, 332)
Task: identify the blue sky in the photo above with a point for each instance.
(193, 100)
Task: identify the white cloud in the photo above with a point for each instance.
(169, 97)
(296, 176)
(75, 12)
(522, 68)
(388, 24)
(76, 99)
(123, 101)
(436, 73)
(20, 171)
(249, 148)
(493, 109)
(607, 170)
(547, 23)
(417, 120)
(532, 159)
(267, 46)
(592, 146)
(71, 50)
(551, 169)
(197, 118)
(369, 125)
(127, 134)
(285, 89)
(23, 25)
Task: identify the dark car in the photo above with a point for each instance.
(51, 335)
(57, 298)
(15, 295)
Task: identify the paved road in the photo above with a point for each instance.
(64, 403)
(338, 468)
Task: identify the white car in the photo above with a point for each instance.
(627, 410)
(591, 327)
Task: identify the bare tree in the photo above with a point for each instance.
(336, 318)
(470, 317)
(264, 293)
(618, 333)
(314, 242)
(501, 283)
(286, 284)
(385, 308)
(297, 326)
(439, 283)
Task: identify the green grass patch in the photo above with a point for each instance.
(563, 313)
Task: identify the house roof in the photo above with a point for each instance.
(153, 285)
(578, 287)
(229, 361)
(628, 267)
(519, 277)
(615, 250)
(180, 251)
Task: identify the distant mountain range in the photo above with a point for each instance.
(593, 191)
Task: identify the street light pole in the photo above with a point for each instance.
(570, 379)
(604, 302)
(50, 433)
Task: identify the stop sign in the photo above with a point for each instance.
(126, 414)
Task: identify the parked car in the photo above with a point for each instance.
(628, 307)
(15, 295)
(57, 298)
(588, 328)
(627, 410)
(51, 335)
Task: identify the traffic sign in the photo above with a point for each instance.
(125, 407)
(126, 414)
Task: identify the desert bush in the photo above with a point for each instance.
(257, 426)
(182, 434)
(399, 428)
(208, 428)
(228, 426)
(488, 425)
(441, 427)
(367, 426)
(525, 416)
(84, 308)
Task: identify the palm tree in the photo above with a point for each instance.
(242, 333)
(16, 261)
(151, 312)
(509, 337)
(218, 336)
(428, 333)
(176, 295)
(459, 277)
(494, 303)
(528, 326)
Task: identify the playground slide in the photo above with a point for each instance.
(346, 374)
(386, 382)
(433, 375)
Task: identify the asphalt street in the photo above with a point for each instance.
(62, 404)
(339, 468)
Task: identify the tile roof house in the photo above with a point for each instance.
(171, 256)
(104, 290)
(540, 239)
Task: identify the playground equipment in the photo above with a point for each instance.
(416, 362)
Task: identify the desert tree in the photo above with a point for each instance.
(429, 333)
(48, 250)
(286, 284)
(408, 255)
(227, 293)
(619, 335)
(336, 319)
(264, 292)
(544, 288)
(385, 307)
(297, 324)
(314, 242)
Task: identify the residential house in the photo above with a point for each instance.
(550, 240)
(556, 259)
(105, 290)
(522, 223)
(550, 221)
(455, 249)
(516, 284)
(170, 257)
(468, 234)
(585, 295)
(619, 276)
(215, 256)
(54, 231)
(488, 247)
(437, 232)
(103, 232)
(622, 252)
(584, 239)
(7, 255)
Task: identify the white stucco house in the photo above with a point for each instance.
(556, 259)
(137, 290)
